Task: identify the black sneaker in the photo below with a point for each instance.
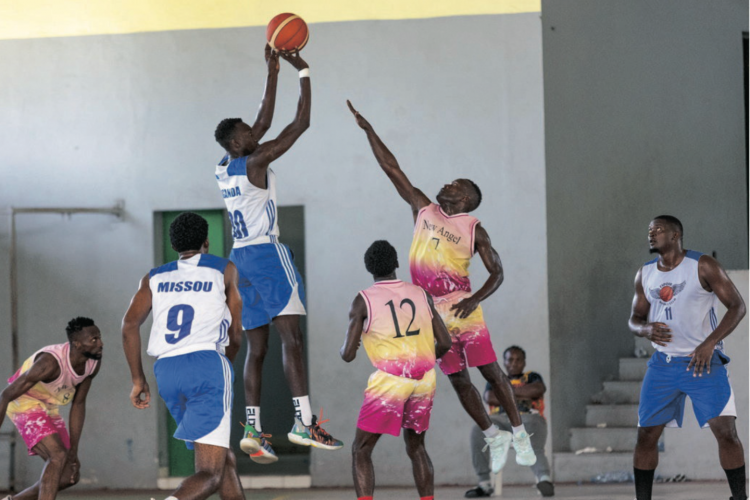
(479, 492)
(546, 488)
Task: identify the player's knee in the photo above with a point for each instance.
(414, 449)
(726, 435)
(648, 436)
(231, 461)
(257, 353)
(361, 450)
(292, 341)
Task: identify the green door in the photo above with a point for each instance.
(276, 400)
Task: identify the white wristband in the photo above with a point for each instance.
(304, 73)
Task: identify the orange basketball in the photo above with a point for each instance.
(666, 293)
(287, 32)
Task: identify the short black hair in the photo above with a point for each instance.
(381, 259)
(672, 221)
(514, 348)
(479, 194)
(225, 131)
(188, 232)
(75, 326)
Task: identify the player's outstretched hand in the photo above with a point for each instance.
(658, 333)
(364, 124)
(272, 59)
(294, 59)
(701, 359)
(465, 307)
(140, 396)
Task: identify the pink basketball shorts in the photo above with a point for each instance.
(472, 345)
(392, 403)
(36, 424)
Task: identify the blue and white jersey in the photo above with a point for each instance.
(189, 307)
(678, 300)
(252, 210)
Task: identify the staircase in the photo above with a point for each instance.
(611, 428)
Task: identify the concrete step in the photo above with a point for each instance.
(570, 467)
(616, 438)
(622, 415)
(618, 392)
(633, 368)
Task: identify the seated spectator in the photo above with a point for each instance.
(529, 390)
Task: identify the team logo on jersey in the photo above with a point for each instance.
(667, 292)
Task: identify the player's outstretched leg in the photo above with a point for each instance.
(645, 460)
(503, 391)
(307, 430)
(362, 468)
(731, 454)
(421, 465)
(253, 441)
(497, 440)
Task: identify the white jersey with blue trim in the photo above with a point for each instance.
(678, 300)
(252, 210)
(189, 306)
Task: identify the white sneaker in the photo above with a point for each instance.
(499, 446)
(524, 452)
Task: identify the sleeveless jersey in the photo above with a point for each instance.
(57, 392)
(252, 210)
(398, 335)
(189, 307)
(441, 251)
(678, 300)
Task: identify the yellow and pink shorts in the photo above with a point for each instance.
(472, 345)
(36, 423)
(392, 403)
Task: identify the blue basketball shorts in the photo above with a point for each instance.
(197, 389)
(668, 382)
(270, 284)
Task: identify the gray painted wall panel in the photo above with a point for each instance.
(90, 120)
(643, 116)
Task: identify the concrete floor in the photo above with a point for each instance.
(680, 491)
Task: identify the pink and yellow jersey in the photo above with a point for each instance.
(441, 251)
(53, 394)
(398, 333)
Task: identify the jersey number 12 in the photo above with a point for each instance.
(409, 333)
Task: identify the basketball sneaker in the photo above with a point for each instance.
(313, 435)
(524, 452)
(254, 443)
(499, 446)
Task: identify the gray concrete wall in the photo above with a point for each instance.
(643, 116)
(90, 120)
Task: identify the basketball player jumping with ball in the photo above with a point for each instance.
(270, 285)
(445, 239)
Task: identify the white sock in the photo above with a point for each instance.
(302, 409)
(171, 498)
(485, 485)
(253, 416)
(492, 431)
(518, 429)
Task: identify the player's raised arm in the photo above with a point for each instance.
(271, 150)
(390, 166)
(265, 113)
(44, 369)
(357, 316)
(491, 260)
(714, 278)
(140, 307)
(234, 303)
(443, 340)
(657, 333)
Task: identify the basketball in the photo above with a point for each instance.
(666, 293)
(287, 32)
